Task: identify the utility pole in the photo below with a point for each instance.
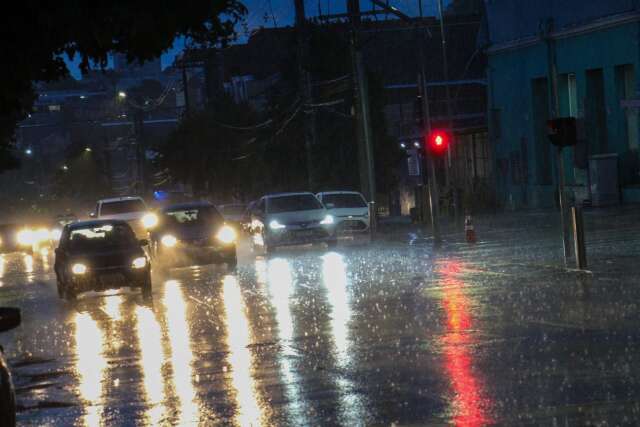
(138, 125)
(445, 74)
(555, 112)
(304, 84)
(365, 143)
(429, 182)
(185, 86)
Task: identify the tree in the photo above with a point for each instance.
(43, 32)
(208, 152)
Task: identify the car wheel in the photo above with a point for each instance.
(70, 294)
(232, 262)
(60, 286)
(146, 286)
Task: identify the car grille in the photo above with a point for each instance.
(352, 225)
(303, 224)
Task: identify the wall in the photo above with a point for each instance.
(513, 93)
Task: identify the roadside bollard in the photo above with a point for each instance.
(373, 219)
(469, 230)
(578, 237)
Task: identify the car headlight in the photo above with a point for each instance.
(41, 235)
(25, 237)
(169, 241)
(79, 269)
(328, 220)
(226, 234)
(139, 262)
(55, 234)
(275, 225)
(150, 220)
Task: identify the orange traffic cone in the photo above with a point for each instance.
(469, 231)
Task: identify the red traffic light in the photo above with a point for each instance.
(437, 142)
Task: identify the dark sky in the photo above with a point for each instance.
(265, 12)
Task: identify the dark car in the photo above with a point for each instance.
(9, 319)
(233, 213)
(9, 238)
(99, 255)
(192, 234)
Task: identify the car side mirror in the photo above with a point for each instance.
(143, 242)
(9, 318)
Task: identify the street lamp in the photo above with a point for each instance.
(122, 94)
(87, 149)
(65, 168)
(28, 151)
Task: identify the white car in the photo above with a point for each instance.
(349, 210)
(131, 209)
(286, 219)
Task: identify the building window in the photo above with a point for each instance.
(496, 124)
(625, 87)
(595, 114)
(542, 148)
(54, 108)
(571, 95)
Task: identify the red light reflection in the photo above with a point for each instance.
(469, 402)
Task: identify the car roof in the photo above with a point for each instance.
(300, 193)
(95, 223)
(340, 192)
(189, 205)
(120, 199)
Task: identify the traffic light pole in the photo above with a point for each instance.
(555, 106)
(365, 146)
(431, 181)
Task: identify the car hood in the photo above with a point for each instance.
(345, 212)
(191, 232)
(129, 216)
(296, 217)
(105, 259)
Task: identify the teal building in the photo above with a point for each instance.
(594, 47)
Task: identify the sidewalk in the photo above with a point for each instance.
(612, 236)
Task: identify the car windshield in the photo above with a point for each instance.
(193, 216)
(299, 202)
(101, 237)
(122, 207)
(232, 209)
(346, 200)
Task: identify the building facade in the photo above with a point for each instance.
(594, 46)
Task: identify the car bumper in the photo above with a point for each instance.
(354, 225)
(300, 236)
(185, 254)
(110, 278)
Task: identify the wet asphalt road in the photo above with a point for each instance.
(387, 334)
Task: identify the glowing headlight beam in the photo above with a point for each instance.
(328, 220)
(79, 269)
(226, 234)
(149, 220)
(139, 262)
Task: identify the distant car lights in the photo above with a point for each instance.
(169, 241)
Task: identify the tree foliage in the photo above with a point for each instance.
(216, 159)
(39, 33)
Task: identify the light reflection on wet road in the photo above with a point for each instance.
(356, 336)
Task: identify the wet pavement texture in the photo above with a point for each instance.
(392, 333)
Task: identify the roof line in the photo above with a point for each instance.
(593, 26)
